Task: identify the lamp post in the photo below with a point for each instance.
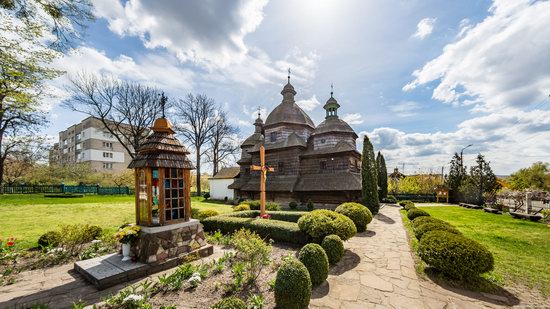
(461, 158)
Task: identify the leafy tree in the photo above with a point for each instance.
(537, 176)
(457, 173)
(382, 176)
(369, 177)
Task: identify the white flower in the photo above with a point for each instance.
(96, 241)
(195, 279)
(132, 298)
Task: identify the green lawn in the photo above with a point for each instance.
(28, 216)
(521, 248)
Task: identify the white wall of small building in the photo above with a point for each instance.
(219, 190)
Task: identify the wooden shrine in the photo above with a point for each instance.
(442, 193)
(163, 199)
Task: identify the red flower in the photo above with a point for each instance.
(265, 216)
(10, 242)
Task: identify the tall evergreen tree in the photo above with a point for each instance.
(456, 176)
(382, 176)
(483, 177)
(369, 177)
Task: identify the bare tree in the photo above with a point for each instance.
(196, 119)
(20, 154)
(223, 144)
(126, 109)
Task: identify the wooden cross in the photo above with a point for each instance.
(263, 176)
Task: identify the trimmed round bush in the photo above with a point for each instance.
(406, 204)
(359, 214)
(322, 222)
(241, 207)
(418, 221)
(421, 230)
(292, 205)
(415, 213)
(231, 302)
(50, 238)
(206, 214)
(391, 199)
(206, 195)
(334, 248)
(93, 231)
(455, 255)
(315, 260)
(292, 285)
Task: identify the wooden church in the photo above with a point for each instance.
(318, 163)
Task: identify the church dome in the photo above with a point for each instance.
(333, 124)
(288, 112)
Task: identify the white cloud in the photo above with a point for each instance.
(509, 140)
(405, 109)
(354, 118)
(502, 62)
(205, 32)
(309, 104)
(424, 28)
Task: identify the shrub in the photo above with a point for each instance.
(315, 260)
(206, 195)
(255, 205)
(241, 207)
(289, 216)
(231, 302)
(93, 231)
(292, 205)
(320, 223)
(421, 230)
(454, 255)
(359, 214)
(406, 204)
(415, 212)
(252, 251)
(310, 206)
(292, 285)
(334, 248)
(274, 229)
(391, 199)
(418, 221)
(207, 214)
(50, 238)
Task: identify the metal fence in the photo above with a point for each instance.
(39, 189)
(416, 197)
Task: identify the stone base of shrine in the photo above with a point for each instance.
(158, 248)
(160, 243)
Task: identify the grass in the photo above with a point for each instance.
(521, 248)
(27, 216)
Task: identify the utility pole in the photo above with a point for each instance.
(462, 159)
(480, 182)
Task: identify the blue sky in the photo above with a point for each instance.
(421, 78)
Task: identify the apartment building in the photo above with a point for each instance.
(90, 142)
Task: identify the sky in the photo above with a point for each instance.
(422, 79)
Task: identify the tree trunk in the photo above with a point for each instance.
(2, 160)
(198, 171)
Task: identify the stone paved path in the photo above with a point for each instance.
(378, 271)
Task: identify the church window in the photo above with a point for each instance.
(323, 165)
(247, 171)
(273, 136)
(280, 167)
(323, 141)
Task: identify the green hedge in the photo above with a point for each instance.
(334, 248)
(275, 229)
(455, 255)
(292, 285)
(322, 222)
(255, 205)
(425, 219)
(415, 213)
(315, 260)
(289, 216)
(421, 230)
(359, 214)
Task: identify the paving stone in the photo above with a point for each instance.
(374, 281)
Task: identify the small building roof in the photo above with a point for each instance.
(334, 124)
(227, 173)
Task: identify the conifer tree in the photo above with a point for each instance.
(382, 176)
(369, 177)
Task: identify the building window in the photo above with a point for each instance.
(108, 144)
(247, 171)
(108, 155)
(323, 165)
(280, 167)
(64, 142)
(78, 146)
(273, 136)
(78, 136)
(107, 134)
(108, 166)
(323, 141)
